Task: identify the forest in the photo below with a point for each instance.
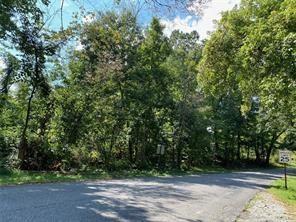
(131, 97)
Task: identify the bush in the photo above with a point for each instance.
(5, 153)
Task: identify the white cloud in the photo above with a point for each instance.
(187, 24)
(2, 64)
(14, 87)
(66, 4)
(79, 46)
(205, 24)
(88, 18)
(85, 20)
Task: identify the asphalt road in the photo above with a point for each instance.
(209, 197)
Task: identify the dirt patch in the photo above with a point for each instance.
(264, 207)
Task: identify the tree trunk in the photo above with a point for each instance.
(216, 145)
(267, 158)
(248, 152)
(174, 155)
(179, 156)
(179, 150)
(271, 146)
(23, 146)
(238, 156)
(226, 154)
(130, 151)
(257, 153)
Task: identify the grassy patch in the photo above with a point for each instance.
(14, 177)
(278, 187)
(286, 196)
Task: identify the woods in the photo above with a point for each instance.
(129, 89)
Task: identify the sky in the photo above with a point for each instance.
(2, 64)
(202, 25)
(186, 23)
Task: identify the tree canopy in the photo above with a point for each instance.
(132, 97)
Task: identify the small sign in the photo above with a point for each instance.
(284, 156)
(160, 149)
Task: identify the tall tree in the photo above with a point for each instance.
(246, 58)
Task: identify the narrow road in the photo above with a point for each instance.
(208, 197)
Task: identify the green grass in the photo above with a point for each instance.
(286, 196)
(15, 177)
(278, 187)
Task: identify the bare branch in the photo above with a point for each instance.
(62, 23)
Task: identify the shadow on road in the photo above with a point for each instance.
(133, 205)
(125, 200)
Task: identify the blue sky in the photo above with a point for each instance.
(74, 6)
(186, 23)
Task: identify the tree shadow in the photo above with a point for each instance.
(141, 199)
(133, 207)
(117, 201)
(234, 180)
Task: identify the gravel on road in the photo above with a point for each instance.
(264, 207)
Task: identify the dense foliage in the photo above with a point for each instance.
(247, 71)
(130, 93)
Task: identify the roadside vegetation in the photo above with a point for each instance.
(287, 196)
(131, 100)
(16, 177)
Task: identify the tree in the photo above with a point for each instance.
(12, 12)
(22, 28)
(246, 57)
(150, 94)
(188, 6)
(100, 74)
(185, 117)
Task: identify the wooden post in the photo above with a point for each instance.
(286, 186)
(159, 161)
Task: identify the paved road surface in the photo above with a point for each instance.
(211, 197)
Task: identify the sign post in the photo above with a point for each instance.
(286, 186)
(284, 157)
(160, 152)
